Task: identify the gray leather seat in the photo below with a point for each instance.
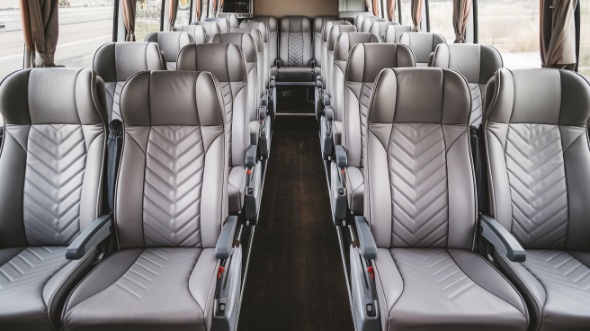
(222, 22)
(265, 34)
(538, 160)
(227, 64)
(360, 18)
(273, 28)
(335, 32)
(325, 35)
(421, 211)
(422, 44)
(394, 32)
(116, 62)
(170, 44)
(477, 63)
(380, 28)
(211, 28)
(318, 25)
(169, 211)
(295, 50)
(263, 71)
(368, 23)
(197, 32)
(234, 22)
(51, 167)
(364, 64)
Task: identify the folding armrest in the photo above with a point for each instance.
(338, 186)
(253, 192)
(326, 122)
(501, 239)
(367, 248)
(265, 134)
(94, 234)
(224, 246)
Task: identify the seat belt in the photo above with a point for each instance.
(114, 143)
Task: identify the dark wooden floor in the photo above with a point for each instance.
(295, 279)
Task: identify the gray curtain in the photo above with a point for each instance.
(417, 14)
(129, 12)
(461, 12)
(558, 46)
(172, 11)
(391, 10)
(41, 31)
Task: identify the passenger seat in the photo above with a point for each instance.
(368, 23)
(273, 28)
(197, 32)
(422, 44)
(222, 22)
(211, 28)
(333, 36)
(394, 32)
(318, 25)
(170, 44)
(360, 18)
(295, 50)
(380, 28)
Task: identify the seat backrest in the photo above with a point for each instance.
(197, 32)
(224, 25)
(380, 28)
(368, 23)
(273, 28)
(422, 44)
(246, 44)
(344, 44)
(265, 34)
(477, 63)
(227, 64)
(360, 18)
(364, 64)
(53, 154)
(318, 24)
(170, 44)
(210, 27)
(295, 41)
(171, 190)
(419, 177)
(263, 69)
(334, 34)
(538, 156)
(115, 62)
(325, 35)
(394, 32)
(234, 22)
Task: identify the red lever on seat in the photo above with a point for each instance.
(371, 272)
(220, 271)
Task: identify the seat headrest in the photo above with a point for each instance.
(328, 27)
(347, 40)
(394, 32)
(540, 96)
(260, 26)
(255, 33)
(170, 42)
(367, 60)
(320, 21)
(163, 98)
(380, 28)
(234, 22)
(210, 27)
(398, 97)
(335, 32)
(53, 96)
(222, 22)
(360, 18)
(476, 62)
(422, 43)
(295, 24)
(197, 32)
(225, 61)
(115, 62)
(243, 40)
(270, 21)
(368, 22)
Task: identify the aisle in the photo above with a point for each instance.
(295, 278)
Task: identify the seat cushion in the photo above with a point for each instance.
(557, 286)
(355, 184)
(146, 289)
(296, 74)
(236, 188)
(440, 289)
(34, 282)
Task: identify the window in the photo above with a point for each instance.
(406, 12)
(147, 19)
(512, 26)
(184, 12)
(584, 67)
(83, 27)
(441, 18)
(12, 40)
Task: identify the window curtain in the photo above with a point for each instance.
(198, 10)
(417, 14)
(391, 10)
(369, 4)
(375, 8)
(461, 12)
(558, 46)
(172, 12)
(214, 8)
(41, 31)
(129, 12)
(220, 9)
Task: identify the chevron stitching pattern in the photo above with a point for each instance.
(32, 267)
(476, 104)
(364, 102)
(295, 50)
(419, 188)
(561, 274)
(536, 174)
(173, 186)
(56, 160)
(434, 273)
(158, 270)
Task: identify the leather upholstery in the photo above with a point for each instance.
(364, 64)
(273, 28)
(318, 25)
(262, 28)
(197, 32)
(343, 45)
(537, 156)
(477, 63)
(325, 36)
(116, 62)
(359, 19)
(380, 28)
(334, 34)
(420, 202)
(211, 28)
(222, 22)
(262, 52)
(368, 23)
(170, 44)
(234, 22)
(394, 32)
(51, 167)
(169, 209)
(226, 62)
(422, 44)
(295, 41)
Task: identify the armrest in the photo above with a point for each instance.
(327, 101)
(224, 245)
(326, 137)
(94, 234)
(341, 160)
(251, 156)
(368, 248)
(502, 240)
